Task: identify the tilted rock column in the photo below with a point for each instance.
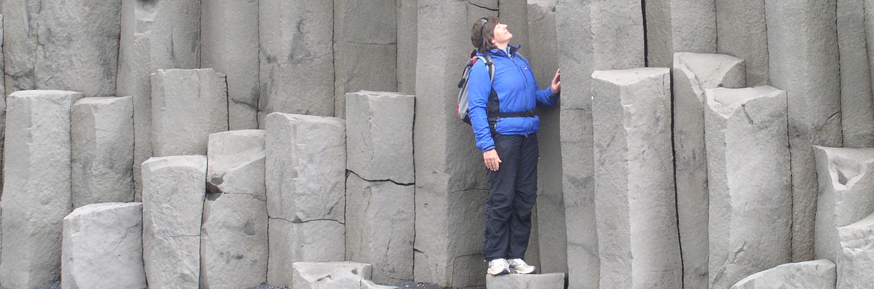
(857, 105)
(187, 106)
(846, 180)
(679, 25)
(634, 184)
(856, 257)
(742, 32)
(819, 274)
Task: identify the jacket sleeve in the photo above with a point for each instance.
(545, 97)
(479, 88)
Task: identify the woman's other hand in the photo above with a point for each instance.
(492, 160)
(556, 82)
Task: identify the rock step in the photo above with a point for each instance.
(528, 281)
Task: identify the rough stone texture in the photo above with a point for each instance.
(297, 58)
(856, 257)
(514, 13)
(407, 36)
(305, 176)
(592, 38)
(173, 194)
(742, 33)
(804, 63)
(102, 150)
(379, 227)
(2, 99)
(367, 284)
(154, 35)
(365, 48)
(37, 188)
(819, 274)
(634, 184)
(748, 178)
(533, 281)
(679, 26)
(197, 98)
(103, 247)
(233, 236)
(229, 44)
(70, 45)
(857, 103)
(379, 135)
(693, 73)
(329, 275)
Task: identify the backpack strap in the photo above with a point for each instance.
(490, 65)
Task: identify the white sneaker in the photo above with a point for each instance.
(519, 266)
(499, 267)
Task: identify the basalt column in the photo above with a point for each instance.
(408, 11)
(679, 26)
(741, 30)
(857, 103)
(846, 180)
(187, 106)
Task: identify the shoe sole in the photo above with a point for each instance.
(505, 272)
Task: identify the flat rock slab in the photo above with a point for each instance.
(329, 275)
(379, 132)
(856, 258)
(818, 274)
(531, 281)
(845, 186)
(187, 106)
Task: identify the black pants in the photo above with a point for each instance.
(512, 193)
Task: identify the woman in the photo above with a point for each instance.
(501, 113)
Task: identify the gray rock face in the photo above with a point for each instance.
(634, 193)
(844, 197)
(804, 63)
(367, 284)
(103, 247)
(748, 177)
(297, 61)
(329, 275)
(37, 187)
(514, 13)
(819, 274)
(856, 257)
(229, 44)
(187, 106)
(679, 26)
(693, 73)
(533, 281)
(313, 241)
(379, 135)
(103, 150)
(742, 32)
(857, 105)
(233, 235)
(173, 194)
(2, 99)
(407, 34)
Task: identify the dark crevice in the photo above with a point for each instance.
(348, 172)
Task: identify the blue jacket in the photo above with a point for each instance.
(516, 92)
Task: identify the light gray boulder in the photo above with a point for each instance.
(634, 192)
(329, 275)
(173, 194)
(407, 34)
(187, 106)
(367, 284)
(857, 103)
(679, 26)
(856, 257)
(229, 44)
(379, 135)
(741, 30)
(845, 186)
(748, 178)
(233, 235)
(818, 274)
(102, 137)
(36, 192)
(805, 63)
(531, 281)
(103, 247)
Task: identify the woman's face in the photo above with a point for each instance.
(502, 35)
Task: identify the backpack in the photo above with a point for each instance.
(465, 77)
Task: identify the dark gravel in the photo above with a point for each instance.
(404, 285)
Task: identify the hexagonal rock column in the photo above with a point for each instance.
(37, 188)
(679, 25)
(187, 106)
(71, 45)
(742, 32)
(2, 99)
(103, 247)
(748, 178)
(379, 135)
(329, 275)
(229, 44)
(856, 257)
(634, 185)
(233, 236)
(173, 193)
(857, 105)
(693, 73)
(305, 176)
(818, 274)
(845, 186)
(297, 58)
(103, 150)
(407, 34)
(804, 63)
(533, 281)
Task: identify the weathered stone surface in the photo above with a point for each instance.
(407, 33)
(289, 242)
(533, 281)
(229, 44)
(748, 178)
(634, 192)
(857, 103)
(103, 247)
(297, 61)
(514, 13)
(679, 26)
(37, 187)
(819, 274)
(742, 33)
(367, 284)
(187, 106)
(856, 257)
(103, 150)
(329, 275)
(2, 99)
(379, 135)
(693, 73)
(173, 194)
(233, 236)
(804, 63)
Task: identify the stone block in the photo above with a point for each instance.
(173, 195)
(187, 106)
(367, 284)
(679, 26)
(229, 44)
(37, 192)
(748, 178)
(103, 247)
(693, 73)
(297, 58)
(379, 133)
(844, 196)
(329, 275)
(532, 281)
(741, 30)
(818, 274)
(313, 241)
(635, 199)
(407, 33)
(233, 235)
(856, 257)
(857, 105)
(102, 137)
(804, 63)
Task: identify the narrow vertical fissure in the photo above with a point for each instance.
(645, 40)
